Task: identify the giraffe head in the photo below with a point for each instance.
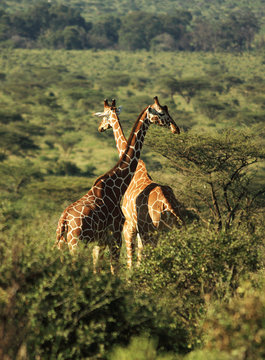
(159, 115)
(156, 114)
(109, 115)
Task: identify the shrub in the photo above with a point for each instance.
(67, 168)
(189, 265)
(237, 327)
(140, 348)
(200, 261)
(57, 309)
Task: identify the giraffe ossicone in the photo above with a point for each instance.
(97, 216)
(147, 206)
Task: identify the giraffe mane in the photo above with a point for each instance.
(135, 124)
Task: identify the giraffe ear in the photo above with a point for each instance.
(99, 114)
(119, 110)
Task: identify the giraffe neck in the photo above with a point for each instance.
(129, 160)
(121, 142)
(124, 170)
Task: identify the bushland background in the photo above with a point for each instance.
(200, 293)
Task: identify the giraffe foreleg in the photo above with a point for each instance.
(139, 249)
(61, 244)
(129, 232)
(115, 247)
(97, 253)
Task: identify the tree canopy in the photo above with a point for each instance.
(219, 169)
(63, 25)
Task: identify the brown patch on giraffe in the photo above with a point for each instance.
(98, 212)
(157, 199)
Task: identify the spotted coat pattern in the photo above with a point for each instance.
(98, 213)
(147, 206)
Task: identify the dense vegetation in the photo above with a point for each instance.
(131, 25)
(200, 293)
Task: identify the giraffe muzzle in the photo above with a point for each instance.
(103, 128)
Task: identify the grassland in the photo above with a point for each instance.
(186, 293)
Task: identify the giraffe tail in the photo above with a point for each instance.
(179, 221)
(174, 208)
(61, 233)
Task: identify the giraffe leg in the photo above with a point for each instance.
(140, 249)
(149, 237)
(97, 253)
(72, 245)
(129, 232)
(61, 244)
(115, 247)
(115, 241)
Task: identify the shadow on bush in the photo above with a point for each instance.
(71, 169)
(57, 309)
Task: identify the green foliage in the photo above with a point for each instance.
(57, 190)
(211, 107)
(187, 88)
(149, 26)
(207, 354)
(16, 143)
(52, 306)
(104, 33)
(84, 313)
(196, 265)
(130, 26)
(195, 261)
(16, 175)
(6, 117)
(140, 348)
(115, 80)
(69, 168)
(67, 142)
(231, 30)
(220, 170)
(64, 311)
(237, 328)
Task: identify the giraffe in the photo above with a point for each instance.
(147, 206)
(98, 212)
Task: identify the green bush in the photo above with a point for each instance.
(67, 168)
(200, 261)
(237, 327)
(190, 265)
(207, 354)
(55, 307)
(140, 348)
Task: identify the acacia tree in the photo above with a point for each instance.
(220, 174)
(17, 135)
(15, 143)
(67, 142)
(14, 175)
(186, 88)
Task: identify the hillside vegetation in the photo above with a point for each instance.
(131, 25)
(91, 9)
(200, 293)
